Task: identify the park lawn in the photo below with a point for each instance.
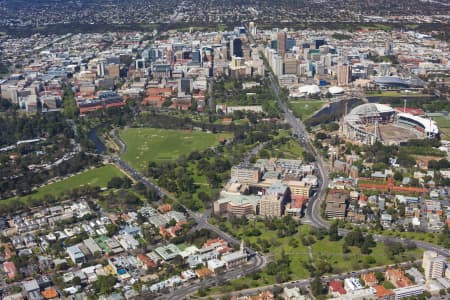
(150, 144)
(93, 177)
(228, 85)
(420, 236)
(241, 122)
(376, 27)
(303, 109)
(292, 150)
(444, 126)
(355, 260)
(445, 133)
(442, 121)
(330, 251)
(394, 94)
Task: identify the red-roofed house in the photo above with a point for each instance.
(370, 279)
(171, 231)
(397, 278)
(10, 269)
(383, 293)
(163, 208)
(146, 261)
(157, 96)
(218, 242)
(336, 288)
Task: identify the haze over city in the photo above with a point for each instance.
(224, 150)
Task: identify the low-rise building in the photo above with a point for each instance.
(370, 279)
(246, 174)
(336, 204)
(271, 206)
(409, 291)
(383, 293)
(76, 255)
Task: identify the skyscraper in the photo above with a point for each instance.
(344, 74)
(236, 47)
(252, 28)
(388, 47)
(185, 86)
(197, 56)
(290, 64)
(281, 43)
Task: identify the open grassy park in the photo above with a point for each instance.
(394, 94)
(443, 123)
(319, 251)
(151, 144)
(305, 108)
(93, 177)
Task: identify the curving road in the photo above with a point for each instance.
(313, 208)
(256, 260)
(313, 215)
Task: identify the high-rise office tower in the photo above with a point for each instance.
(388, 47)
(344, 74)
(101, 69)
(185, 86)
(290, 64)
(236, 47)
(252, 28)
(281, 43)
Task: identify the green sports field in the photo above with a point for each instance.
(303, 109)
(443, 123)
(151, 144)
(94, 177)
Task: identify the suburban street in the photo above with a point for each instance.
(304, 283)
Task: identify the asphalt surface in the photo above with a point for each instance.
(313, 209)
(256, 260)
(303, 283)
(312, 215)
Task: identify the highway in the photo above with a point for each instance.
(256, 260)
(313, 209)
(313, 215)
(255, 263)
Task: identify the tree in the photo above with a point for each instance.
(76, 281)
(308, 157)
(354, 238)
(111, 229)
(398, 176)
(345, 249)
(333, 232)
(379, 276)
(115, 183)
(370, 241)
(317, 287)
(104, 285)
(365, 249)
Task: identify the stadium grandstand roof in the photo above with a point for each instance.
(428, 124)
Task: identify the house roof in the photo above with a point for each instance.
(336, 286)
(382, 291)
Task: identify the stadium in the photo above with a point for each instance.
(371, 122)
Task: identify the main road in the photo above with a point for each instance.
(313, 215)
(256, 260)
(313, 209)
